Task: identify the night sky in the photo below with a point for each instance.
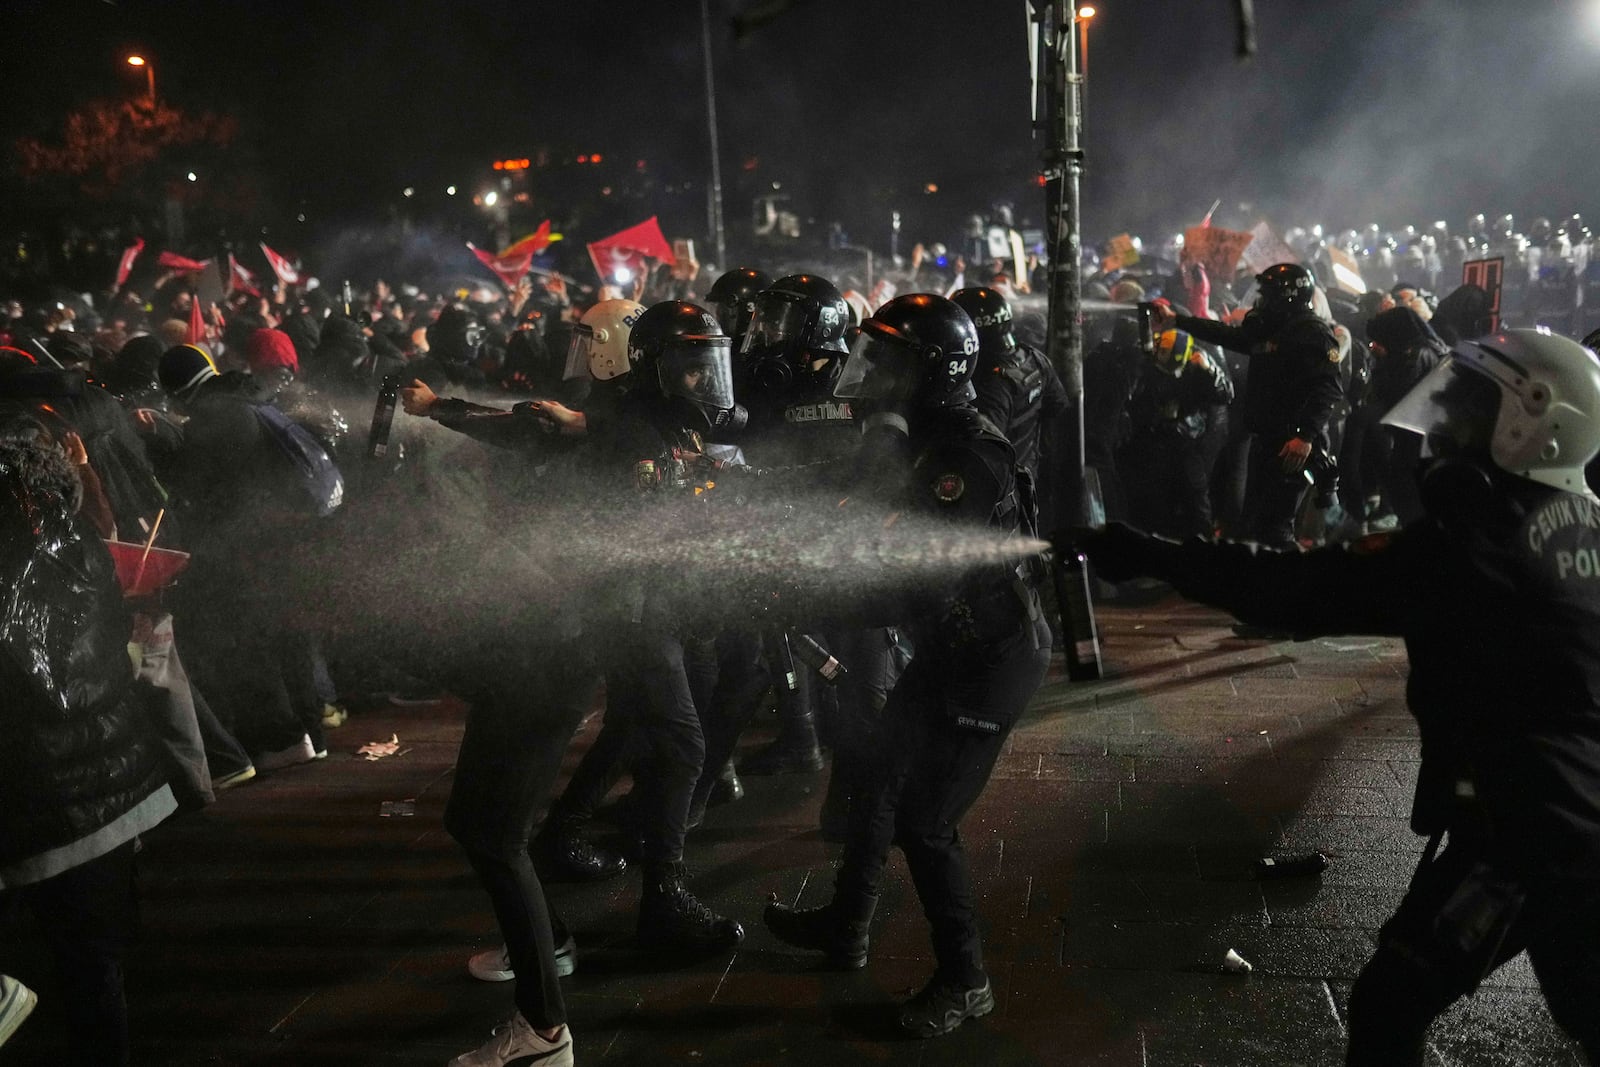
(1352, 112)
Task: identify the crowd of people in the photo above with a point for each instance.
(539, 427)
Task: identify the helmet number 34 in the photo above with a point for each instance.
(958, 366)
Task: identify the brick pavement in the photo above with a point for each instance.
(290, 924)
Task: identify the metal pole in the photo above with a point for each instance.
(714, 207)
(1063, 165)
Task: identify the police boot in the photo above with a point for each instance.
(795, 750)
(712, 790)
(670, 917)
(726, 788)
(838, 929)
(564, 854)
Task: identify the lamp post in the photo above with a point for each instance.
(149, 73)
(1054, 32)
(714, 194)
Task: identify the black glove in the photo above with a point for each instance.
(1118, 552)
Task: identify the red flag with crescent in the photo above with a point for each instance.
(629, 249)
(280, 266)
(508, 269)
(125, 264)
(239, 279)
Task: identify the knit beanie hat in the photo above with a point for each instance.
(183, 368)
(266, 350)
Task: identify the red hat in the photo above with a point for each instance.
(269, 349)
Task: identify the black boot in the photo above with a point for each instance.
(795, 751)
(671, 918)
(836, 930)
(726, 788)
(564, 854)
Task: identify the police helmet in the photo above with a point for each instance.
(991, 314)
(918, 349)
(732, 298)
(1284, 290)
(682, 348)
(1529, 399)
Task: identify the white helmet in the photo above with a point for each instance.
(1531, 396)
(599, 346)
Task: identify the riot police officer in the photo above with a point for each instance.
(732, 299)
(1018, 390)
(791, 357)
(981, 649)
(1496, 591)
(1293, 388)
(683, 393)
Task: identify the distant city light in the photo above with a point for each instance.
(450, 190)
(408, 191)
(192, 177)
(930, 188)
(301, 217)
(491, 198)
(136, 61)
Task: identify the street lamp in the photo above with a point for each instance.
(149, 73)
(1085, 13)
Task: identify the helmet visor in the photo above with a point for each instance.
(1453, 407)
(578, 349)
(878, 368)
(775, 322)
(698, 369)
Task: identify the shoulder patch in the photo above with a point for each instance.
(948, 488)
(1333, 354)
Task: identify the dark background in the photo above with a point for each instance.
(1352, 112)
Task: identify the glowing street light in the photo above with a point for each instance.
(490, 198)
(149, 72)
(1086, 12)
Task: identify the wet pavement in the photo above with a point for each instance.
(1114, 851)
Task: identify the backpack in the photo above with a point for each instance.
(318, 476)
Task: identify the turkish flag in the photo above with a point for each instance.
(179, 263)
(509, 270)
(125, 264)
(629, 249)
(531, 245)
(280, 266)
(239, 279)
(197, 323)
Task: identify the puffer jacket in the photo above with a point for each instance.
(79, 773)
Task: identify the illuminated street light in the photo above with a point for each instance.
(1086, 12)
(490, 198)
(192, 177)
(408, 191)
(450, 190)
(149, 73)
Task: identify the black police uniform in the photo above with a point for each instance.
(1021, 393)
(1500, 612)
(981, 649)
(1295, 386)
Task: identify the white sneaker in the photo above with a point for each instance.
(17, 1001)
(302, 751)
(491, 966)
(517, 1041)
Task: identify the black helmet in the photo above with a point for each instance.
(1284, 290)
(796, 314)
(455, 336)
(991, 314)
(732, 298)
(917, 349)
(681, 347)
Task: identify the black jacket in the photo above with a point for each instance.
(77, 757)
(1295, 381)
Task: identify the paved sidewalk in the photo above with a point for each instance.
(291, 924)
